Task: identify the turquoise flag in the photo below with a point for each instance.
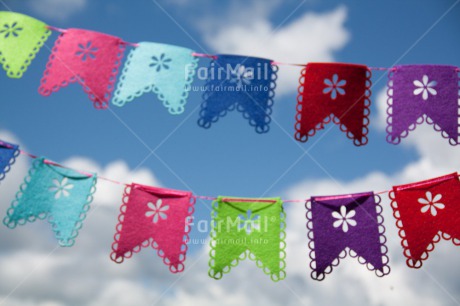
(61, 195)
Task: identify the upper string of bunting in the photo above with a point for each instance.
(327, 92)
(254, 228)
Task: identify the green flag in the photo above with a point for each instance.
(21, 37)
(253, 228)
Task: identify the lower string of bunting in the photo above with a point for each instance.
(327, 92)
(242, 228)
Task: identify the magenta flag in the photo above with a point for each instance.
(89, 58)
(156, 217)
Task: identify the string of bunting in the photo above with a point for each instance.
(254, 228)
(327, 92)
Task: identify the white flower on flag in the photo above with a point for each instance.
(157, 210)
(344, 218)
(425, 87)
(61, 188)
(241, 76)
(334, 86)
(249, 222)
(431, 203)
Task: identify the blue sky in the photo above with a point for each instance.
(230, 158)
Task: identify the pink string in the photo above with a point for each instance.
(112, 181)
(294, 201)
(380, 68)
(205, 197)
(28, 154)
(56, 29)
(204, 55)
(287, 64)
(130, 44)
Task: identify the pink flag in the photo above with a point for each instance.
(87, 57)
(157, 217)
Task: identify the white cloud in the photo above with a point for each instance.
(311, 37)
(59, 10)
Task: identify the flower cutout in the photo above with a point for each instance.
(334, 86)
(161, 62)
(249, 222)
(344, 218)
(431, 203)
(425, 87)
(87, 51)
(10, 30)
(241, 76)
(61, 188)
(157, 210)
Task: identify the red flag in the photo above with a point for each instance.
(425, 211)
(89, 58)
(338, 92)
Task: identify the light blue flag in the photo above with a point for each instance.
(59, 194)
(163, 69)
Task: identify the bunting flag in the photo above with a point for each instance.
(425, 212)
(344, 224)
(418, 91)
(253, 228)
(21, 37)
(89, 58)
(163, 69)
(61, 195)
(157, 217)
(243, 83)
(337, 92)
(8, 154)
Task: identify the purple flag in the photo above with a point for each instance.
(344, 224)
(418, 91)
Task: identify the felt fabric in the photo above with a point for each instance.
(418, 91)
(253, 228)
(8, 154)
(344, 224)
(89, 58)
(59, 194)
(334, 91)
(154, 216)
(243, 83)
(21, 37)
(163, 69)
(423, 211)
